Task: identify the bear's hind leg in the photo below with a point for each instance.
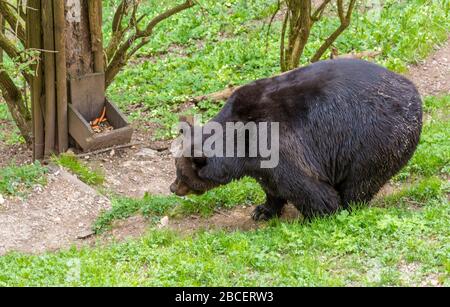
(271, 208)
(316, 198)
(358, 191)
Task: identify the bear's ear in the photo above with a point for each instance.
(198, 163)
(188, 119)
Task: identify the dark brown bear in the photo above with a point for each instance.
(346, 127)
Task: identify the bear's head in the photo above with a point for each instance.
(188, 180)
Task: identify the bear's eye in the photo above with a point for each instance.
(198, 163)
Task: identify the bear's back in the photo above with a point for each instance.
(292, 95)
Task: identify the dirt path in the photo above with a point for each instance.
(54, 217)
(432, 76)
(137, 171)
(230, 220)
(61, 214)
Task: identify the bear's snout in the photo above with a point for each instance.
(179, 188)
(173, 187)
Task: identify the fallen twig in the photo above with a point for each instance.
(216, 96)
(221, 213)
(354, 55)
(100, 151)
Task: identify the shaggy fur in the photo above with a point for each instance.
(346, 127)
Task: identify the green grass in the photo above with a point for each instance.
(440, 104)
(10, 135)
(399, 240)
(433, 153)
(228, 44)
(18, 180)
(428, 189)
(80, 169)
(405, 31)
(4, 113)
(244, 192)
(368, 246)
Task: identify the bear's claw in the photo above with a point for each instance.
(262, 213)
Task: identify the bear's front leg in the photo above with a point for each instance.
(271, 208)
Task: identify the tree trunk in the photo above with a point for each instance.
(16, 106)
(298, 21)
(49, 77)
(298, 16)
(34, 37)
(79, 52)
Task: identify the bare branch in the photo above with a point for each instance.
(319, 11)
(8, 46)
(119, 52)
(345, 22)
(272, 18)
(282, 44)
(16, 105)
(143, 42)
(14, 20)
(149, 29)
(350, 10)
(118, 16)
(340, 9)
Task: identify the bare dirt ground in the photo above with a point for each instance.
(230, 220)
(50, 218)
(432, 76)
(144, 168)
(18, 153)
(62, 213)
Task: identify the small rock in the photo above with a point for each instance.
(38, 188)
(147, 153)
(112, 153)
(85, 235)
(164, 222)
(2, 200)
(86, 157)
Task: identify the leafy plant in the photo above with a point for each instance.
(17, 180)
(79, 168)
(433, 153)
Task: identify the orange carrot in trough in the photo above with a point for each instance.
(100, 119)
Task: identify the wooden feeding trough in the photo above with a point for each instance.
(68, 89)
(88, 109)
